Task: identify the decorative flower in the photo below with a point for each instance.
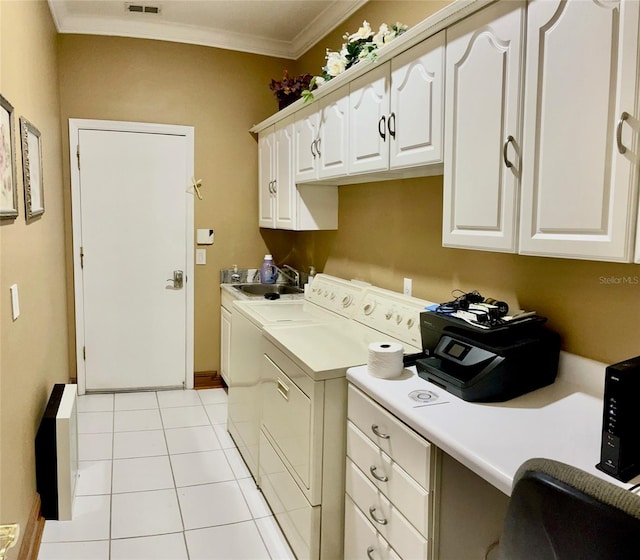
(358, 46)
(290, 86)
(363, 33)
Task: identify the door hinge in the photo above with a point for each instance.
(84, 353)
(81, 257)
(78, 154)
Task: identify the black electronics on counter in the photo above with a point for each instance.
(487, 365)
(620, 451)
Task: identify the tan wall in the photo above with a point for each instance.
(391, 230)
(33, 348)
(222, 94)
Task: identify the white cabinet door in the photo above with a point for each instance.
(368, 112)
(284, 186)
(417, 91)
(578, 189)
(333, 140)
(225, 343)
(306, 137)
(266, 147)
(483, 66)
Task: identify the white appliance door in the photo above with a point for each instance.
(133, 219)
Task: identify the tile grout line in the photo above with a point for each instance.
(173, 477)
(113, 452)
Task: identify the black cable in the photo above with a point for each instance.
(634, 487)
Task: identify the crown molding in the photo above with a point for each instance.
(335, 13)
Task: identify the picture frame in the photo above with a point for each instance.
(8, 174)
(32, 169)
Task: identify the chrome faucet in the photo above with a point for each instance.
(296, 274)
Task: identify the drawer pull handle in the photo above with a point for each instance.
(383, 478)
(375, 430)
(370, 551)
(379, 520)
(283, 389)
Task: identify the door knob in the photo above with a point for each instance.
(178, 279)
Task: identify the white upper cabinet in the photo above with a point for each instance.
(276, 183)
(332, 146)
(482, 122)
(266, 173)
(321, 138)
(580, 151)
(368, 113)
(306, 137)
(395, 111)
(282, 204)
(417, 91)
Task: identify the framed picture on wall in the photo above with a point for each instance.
(32, 169)
(8, 177)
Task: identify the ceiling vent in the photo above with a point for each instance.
(142, 8)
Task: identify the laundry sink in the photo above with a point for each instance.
(261, 289)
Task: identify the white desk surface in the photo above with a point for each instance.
(562, 421)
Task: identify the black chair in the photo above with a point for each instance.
(559, 512)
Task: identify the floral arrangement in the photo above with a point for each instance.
(290, 89)
(358, 46)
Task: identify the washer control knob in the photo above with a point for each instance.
(332, 296)
(368, 308)
(410, 322)
(398, 318)
(388, 314)
(347, 300)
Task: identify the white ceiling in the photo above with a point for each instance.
(282, 28)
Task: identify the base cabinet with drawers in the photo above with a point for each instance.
(390, 485)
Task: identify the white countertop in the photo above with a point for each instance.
(562, 421)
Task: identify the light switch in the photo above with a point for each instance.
(15, 302)
(204, 237)
(201, 256)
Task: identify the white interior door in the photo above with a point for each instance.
(133, 227)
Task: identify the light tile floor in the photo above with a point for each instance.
(160, 479)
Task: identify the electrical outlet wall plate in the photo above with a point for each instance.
(407, 287)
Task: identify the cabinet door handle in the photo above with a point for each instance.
(379, 520)
(318, 147)
(275, 186)
(313, 149)
(382, 125)
(392, 129)
(375, 429)
(383, 478)
(370, 551)
(621, 147)
(283, 389)
(510, 139)
(270, 187)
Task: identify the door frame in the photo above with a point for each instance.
(75, 125)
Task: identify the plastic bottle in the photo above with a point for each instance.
(268, 271)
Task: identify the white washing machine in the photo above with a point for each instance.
(302, 438)
(248, 319)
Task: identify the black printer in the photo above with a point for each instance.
(488, 365)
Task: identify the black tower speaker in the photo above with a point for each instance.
(620, 448)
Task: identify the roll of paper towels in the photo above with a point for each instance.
(385, 359)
